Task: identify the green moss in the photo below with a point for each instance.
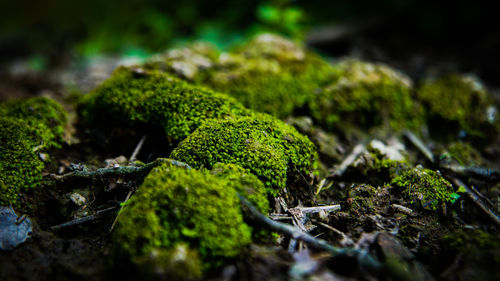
(244, 182)
(464, 153)
(425, 186)
(366, 95)
(177, 205)
(471, 240)
(455, 103)
(263, 145)
(44, 115)
(269, 74)
(362, 198)
(20, 166)
(137, 98)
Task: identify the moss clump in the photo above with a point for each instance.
(150, 100)
(464, 153)
(263, 145)
(457, 103)
(20, 166)
(44, 115)
(244, 182)
(27, 127)
(366, 95)
(177, 205)
(269, 74)
(425, 186)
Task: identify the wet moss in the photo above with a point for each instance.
(456, 103)
(244, 182)
(152, 100)
(366, 95)
(425, 186)
(263, 145)
(176, 205)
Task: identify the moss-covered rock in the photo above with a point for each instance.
(366, 94)
(177, 205)
(265, 146)
(244, 182)
(425, 186)
(20, 166)
(456, 103)
(43, 114)
(152, 100)
(269, 74)
(27, 128)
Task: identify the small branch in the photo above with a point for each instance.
(477, 200)
(78, 221)
(136, 150)
(121, 171)
(478, 172)
(358, 149)
(419, 144)
(363, 257)
(312, 210)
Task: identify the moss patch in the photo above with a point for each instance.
(244, 182)
(269, 74)
(141, 99)
(366, 95)
(176, 205)
(454, 103)
(265, 146)
(27, 127)
(425, 186)
(44, 115)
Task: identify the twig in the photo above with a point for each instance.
(477, 200)
(420, 145)
(363, 257)
(346, 240)
(78, 221)
(121, 171)
(121, 207)
(358, 149)
(312, 210)
(479, 172)
(403, 209)
(136, 150)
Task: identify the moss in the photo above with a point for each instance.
(269, 74)
(244, 182)
(366, 95)
(149, 100)
(362, 198)
(20, 166)
(464, 153)
(454, 103)
(43, 114)
(263, 145)
(468, 240)
(425, 186)
(177, 205)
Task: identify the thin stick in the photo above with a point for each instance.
(78, 221)
(477, 200)
(136, 150)
(358, 149)
(121, 171)
(311, 210)
(121, 207)
(363, 257)
(479, 172)
(419, 145)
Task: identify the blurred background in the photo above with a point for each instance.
(416, 36)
